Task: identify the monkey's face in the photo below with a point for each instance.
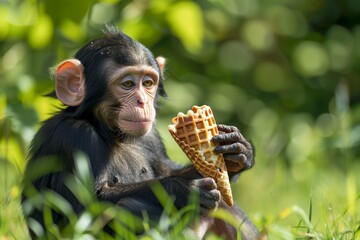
(129, 104)
(116, 78)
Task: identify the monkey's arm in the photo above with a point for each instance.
(139, 196)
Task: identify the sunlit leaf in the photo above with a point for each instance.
(185, 20)
(141, 30)
(311, 59)
(35, 227)
(285, 213)
(15, 192)
(351, 193)
(72, 30)
(13, 56)
(258, 34)
(4, 26)
(58, 202)
(22, 13)
(160, 6)
(83, 223)
(13, 151)
(41, 32)
(45, 107)
(110, 1)
(2, 106)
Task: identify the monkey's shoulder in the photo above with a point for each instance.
(64, 135)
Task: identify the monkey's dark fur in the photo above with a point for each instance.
(123, 167)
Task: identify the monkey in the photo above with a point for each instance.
(110, 91)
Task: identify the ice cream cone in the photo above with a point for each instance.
(193, 133)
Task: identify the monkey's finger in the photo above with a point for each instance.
(227, 129)
(204, 184)
(236, 158)
(210, 199)
(208, 183)
(236, 148)
(229, 137)
(243, 161)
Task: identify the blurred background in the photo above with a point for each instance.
(286, 73)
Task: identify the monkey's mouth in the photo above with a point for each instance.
(138, 127)
(136, 124)
(138, 121)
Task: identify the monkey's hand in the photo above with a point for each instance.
(209, 196)
(237, 151)
(187, 181)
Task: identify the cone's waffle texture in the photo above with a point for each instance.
(193, 133)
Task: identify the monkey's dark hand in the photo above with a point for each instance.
(209, 196)
(237, 151)
(188, 181)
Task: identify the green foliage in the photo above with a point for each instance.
(285, 72)
(180, 16)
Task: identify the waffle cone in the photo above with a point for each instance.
(193, 133)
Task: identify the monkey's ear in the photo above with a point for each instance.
(161, 62)
(69, 82)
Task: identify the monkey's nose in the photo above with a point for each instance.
(142, 100)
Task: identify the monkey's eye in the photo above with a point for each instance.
(127, 82)
(148, 82)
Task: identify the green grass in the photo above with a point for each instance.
(323, 207)
(283, 210)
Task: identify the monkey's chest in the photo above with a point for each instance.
(133, 165)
